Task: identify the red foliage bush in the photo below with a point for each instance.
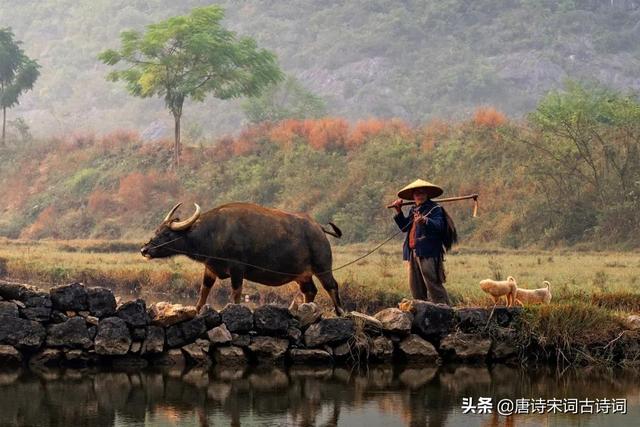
(434, 133)
(134, 189)
(400, 128)
(156, 147)
(77, 141)
(15, 191)
(191, 157)
(287, 132)
(364, 130)
(118, 139)
(138, 189)
(243, 147)
(367, 129)
(250, 139)
(328, 133)
(100, 202)
(489, 117)
(221, 150)
(45, 224)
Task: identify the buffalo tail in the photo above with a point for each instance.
(336, 231)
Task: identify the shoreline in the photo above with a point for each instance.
(77, 326)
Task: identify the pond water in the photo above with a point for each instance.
(296, 396)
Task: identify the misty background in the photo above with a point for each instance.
(409, 59)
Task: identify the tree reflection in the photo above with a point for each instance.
(410, 395)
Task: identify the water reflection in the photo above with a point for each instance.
(413, 396)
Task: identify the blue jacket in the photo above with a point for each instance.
(429, 236)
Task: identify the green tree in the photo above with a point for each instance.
(18, 73)
(287, 100)
(189, 57)
(589, 138)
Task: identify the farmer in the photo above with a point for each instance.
(430, 231)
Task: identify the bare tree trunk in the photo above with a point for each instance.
(4, 125)
(176, 141)
(177, 115)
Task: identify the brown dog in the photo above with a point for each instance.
(500, 288)
(534, 296)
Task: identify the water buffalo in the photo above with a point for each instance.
(248, 241)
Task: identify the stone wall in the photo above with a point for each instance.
(74, 325)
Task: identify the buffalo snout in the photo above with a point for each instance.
(144, 251)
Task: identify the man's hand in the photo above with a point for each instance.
(398, 205)
(418, 218)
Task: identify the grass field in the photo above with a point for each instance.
(593, 292)
(607, 279)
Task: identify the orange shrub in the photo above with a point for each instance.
(489, 117)
(15, 191)
(434, 132)
(250, 139)
(100, 202)
(118, 139)
(154, 148)
(191, 157)
(286, 132)
(45, 224)
(137, 189)
(367, 129)
(400, 128)
(77, 141)
(363, 130)
(328, 133)
(243, 147)
(221, 150)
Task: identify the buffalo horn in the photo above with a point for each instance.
(171, 212)
(182, 225)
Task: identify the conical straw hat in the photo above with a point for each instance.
(432, 189)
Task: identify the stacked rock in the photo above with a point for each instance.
(76, 325)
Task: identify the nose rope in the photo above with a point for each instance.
(166, 243)
(282, 272)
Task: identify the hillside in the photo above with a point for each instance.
(536, 188)
(410, 59)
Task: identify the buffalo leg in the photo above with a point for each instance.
(237, 278)
(208, 280)
(331, 286)
(308, 289)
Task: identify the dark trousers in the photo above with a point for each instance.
(426, 278)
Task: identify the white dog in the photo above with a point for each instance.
(534, 296)
(500, 288)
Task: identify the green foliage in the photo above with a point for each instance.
(529, 175)
(287, 100)
(82, 182)
(189, 57)
(18, 73)
(589, 167)
(410, 59)
(21, 128)
(568, 327)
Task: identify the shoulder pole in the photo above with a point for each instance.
(473, 196)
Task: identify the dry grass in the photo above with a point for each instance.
(610, 280)
(116, 265)
(591, 291)
(572, 333)
(600, 276)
